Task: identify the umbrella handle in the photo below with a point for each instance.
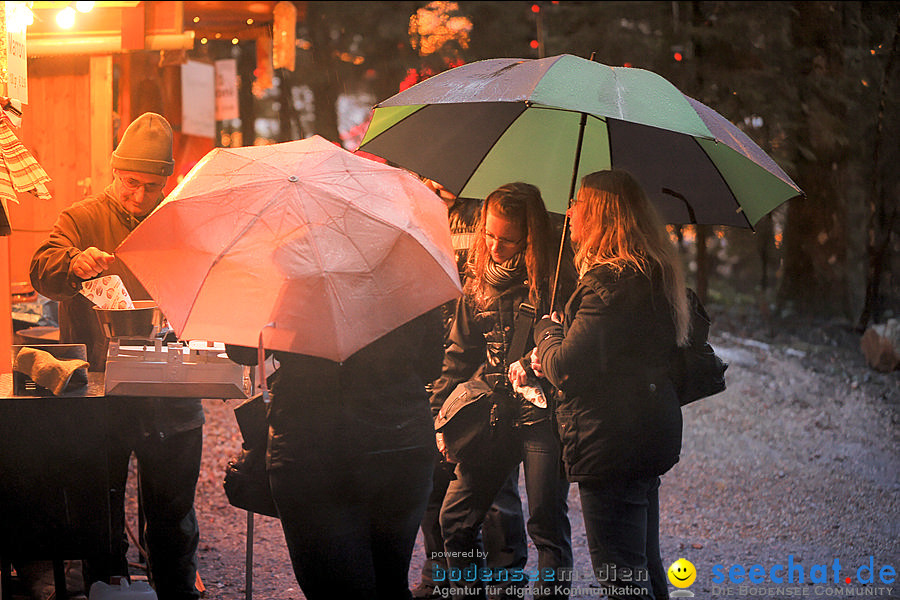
(687, 205)
(261, 370)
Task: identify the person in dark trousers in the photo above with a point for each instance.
(503, 532)
(511, 261)
(350, 459)
(165, 434)
(610, 354)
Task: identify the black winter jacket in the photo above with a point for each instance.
(379, 390)
(477, 347)
(619, 417)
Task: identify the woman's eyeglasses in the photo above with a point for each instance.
(490, 237)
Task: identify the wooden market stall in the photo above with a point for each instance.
(83, 87)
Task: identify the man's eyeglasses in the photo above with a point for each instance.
(490, 237)
(131, 184)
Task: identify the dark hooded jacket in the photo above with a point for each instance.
(619, 417)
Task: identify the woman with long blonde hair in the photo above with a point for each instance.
(610, 353)
(619, 227)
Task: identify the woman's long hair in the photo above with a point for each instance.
(621, 228)
(522, 204)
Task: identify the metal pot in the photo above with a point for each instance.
(144, 320)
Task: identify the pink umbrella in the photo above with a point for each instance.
(319, 250)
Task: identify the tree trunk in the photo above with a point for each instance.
(702, 232)
(246, 105)
(882, 214)
(325, 82)
(816, 238)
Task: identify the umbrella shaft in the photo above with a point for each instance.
(559, 259)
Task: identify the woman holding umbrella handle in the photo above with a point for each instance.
(620, 420)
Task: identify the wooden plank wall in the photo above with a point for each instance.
(67, 127)
(57, 129)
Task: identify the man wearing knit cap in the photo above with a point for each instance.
(165, 434)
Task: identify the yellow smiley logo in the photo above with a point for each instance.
(682, 573)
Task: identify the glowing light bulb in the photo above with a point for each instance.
(19, 18)
(84, 7)
(66, 17)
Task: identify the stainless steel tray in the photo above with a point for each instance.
(194, 370)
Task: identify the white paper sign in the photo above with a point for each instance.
(198, 99)
(17, 66)
(226, 90)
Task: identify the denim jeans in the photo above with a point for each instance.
(621, 520)
(470, 495)
(503, 531)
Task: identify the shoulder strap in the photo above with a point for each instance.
(521, 332)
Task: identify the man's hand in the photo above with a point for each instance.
(91, 262)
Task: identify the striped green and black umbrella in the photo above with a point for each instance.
(551, 121)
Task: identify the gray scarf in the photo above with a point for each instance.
(503, 275)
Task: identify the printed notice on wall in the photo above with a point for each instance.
(198, 99)
(226, 90)
(17, 67)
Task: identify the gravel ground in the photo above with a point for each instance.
(795, 464)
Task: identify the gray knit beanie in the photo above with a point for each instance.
(146, 146)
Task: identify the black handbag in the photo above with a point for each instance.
(698, 372)
(473, 422)
(476, 420)
(246, 480)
